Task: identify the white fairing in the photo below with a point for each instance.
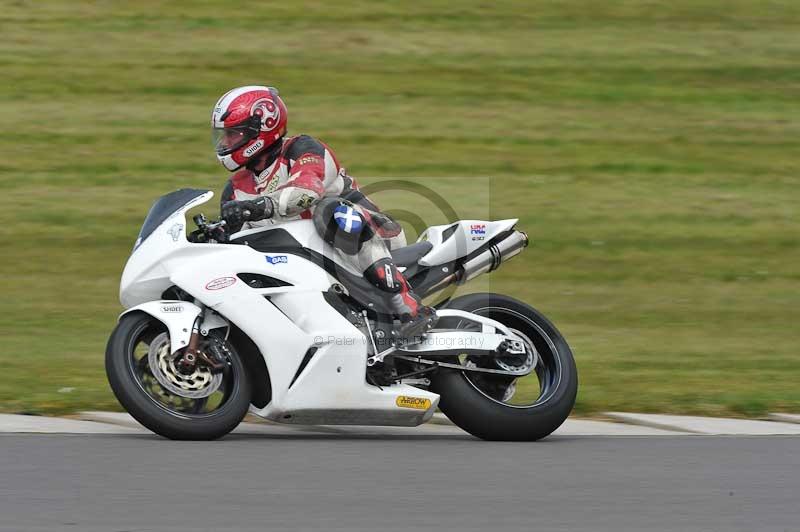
(332, 388)
(178, 316)
(467, 236)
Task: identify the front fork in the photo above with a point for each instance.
(192, 355)
(187, 324)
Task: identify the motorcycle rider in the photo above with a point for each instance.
(279, 178)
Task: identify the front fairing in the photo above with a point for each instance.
(164, 257)
(167, 207)
(163, 232)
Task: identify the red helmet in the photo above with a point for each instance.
(245, 122)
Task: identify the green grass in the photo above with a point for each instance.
(650, 150)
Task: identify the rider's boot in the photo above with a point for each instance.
(415, 317)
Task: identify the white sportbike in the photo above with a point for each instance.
(268, 320)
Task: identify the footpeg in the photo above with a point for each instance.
(413, 332)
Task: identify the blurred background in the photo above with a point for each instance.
(649, 148)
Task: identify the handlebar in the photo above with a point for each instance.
(209, 229)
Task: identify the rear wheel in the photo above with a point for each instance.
(197, 405)
(496, 407)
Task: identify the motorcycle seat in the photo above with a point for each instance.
(409, 255)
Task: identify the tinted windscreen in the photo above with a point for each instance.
(163, 209)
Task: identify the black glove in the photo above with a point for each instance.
(236, 213)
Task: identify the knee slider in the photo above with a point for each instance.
(341, 226)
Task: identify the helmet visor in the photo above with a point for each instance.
(226, 140)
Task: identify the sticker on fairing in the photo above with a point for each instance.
(220, 283)
(417, 403)
(277, 259)
(478, 232)
(175, 231)
(477, 229)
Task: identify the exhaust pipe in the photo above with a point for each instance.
(487, 261)
(490, 260)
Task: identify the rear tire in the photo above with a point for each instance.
(489, 418)
(123, 373)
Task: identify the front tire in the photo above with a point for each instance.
(478, 403)
(154, 406)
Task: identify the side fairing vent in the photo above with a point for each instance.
(257, 280)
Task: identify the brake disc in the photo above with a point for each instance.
(196, 385)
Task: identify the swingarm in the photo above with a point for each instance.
(494, 340)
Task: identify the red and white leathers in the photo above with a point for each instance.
(295, 175)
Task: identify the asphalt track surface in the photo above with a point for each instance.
(375, 482)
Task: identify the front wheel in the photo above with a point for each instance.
(147, 381)
(496, 407)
